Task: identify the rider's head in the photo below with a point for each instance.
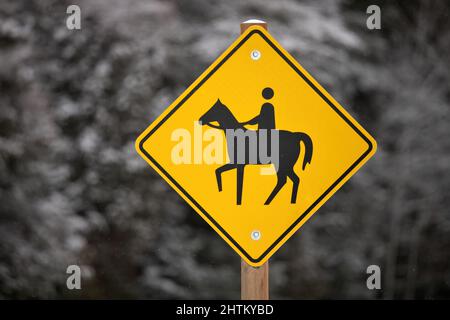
(267, 93)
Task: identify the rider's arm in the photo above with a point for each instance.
(213, 125)
(251, 121)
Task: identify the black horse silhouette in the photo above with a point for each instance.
(289, 151)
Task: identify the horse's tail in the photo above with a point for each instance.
(308, 148)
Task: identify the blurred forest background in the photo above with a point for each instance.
(74, 191)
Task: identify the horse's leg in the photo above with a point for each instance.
(240, 183)
(219, 171)
(296, 180)
(280, 183)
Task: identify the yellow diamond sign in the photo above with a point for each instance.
(255, 145)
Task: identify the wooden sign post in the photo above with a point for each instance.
(252, 22)
(254, 281)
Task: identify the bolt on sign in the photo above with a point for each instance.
(255, 145)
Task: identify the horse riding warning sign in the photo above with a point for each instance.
(255, 145)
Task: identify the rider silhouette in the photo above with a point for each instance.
(266, 117)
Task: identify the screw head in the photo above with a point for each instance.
(255, 54)
(255, 235)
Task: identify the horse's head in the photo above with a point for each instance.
(215, 113)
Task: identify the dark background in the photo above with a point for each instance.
(74, 191)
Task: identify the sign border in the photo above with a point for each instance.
(201, 80)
